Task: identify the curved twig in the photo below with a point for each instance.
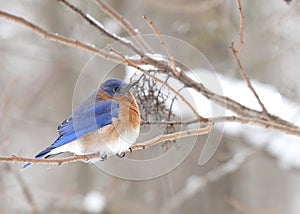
(163, 43)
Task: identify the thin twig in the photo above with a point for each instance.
(58, 38)
(170, 123)
(91, 20)
(165, 46)
(245, 76)
(172, 136)
(270, 124)
(125, 24)
(294, 130)
(242, 26)
(236, 51)
(49, 161)
(131, 64)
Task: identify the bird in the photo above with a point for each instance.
(107, 123)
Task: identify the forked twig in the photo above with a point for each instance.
(124, 23)
(91, 20)
(246, 78)
(165, 46)
(236, 51)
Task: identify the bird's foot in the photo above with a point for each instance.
(121, 155)
(130, 150)
(103, 157)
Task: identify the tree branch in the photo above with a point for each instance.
(242, 26)
(91, 20)
(245, 76)
(235, 53)
(145, 145)
(58, 38)
(172, 136)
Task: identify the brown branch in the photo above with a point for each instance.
(165, 46)
(236, 51)
(270, 124)
(124, 23)
(245, 76)
(49, 161)
(242, 26)
(172, 136)
(58, 38)
(170, 123)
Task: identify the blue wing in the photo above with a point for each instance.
(89, 117)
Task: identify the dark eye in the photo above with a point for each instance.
(117, 89)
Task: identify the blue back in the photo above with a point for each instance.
(89, 117)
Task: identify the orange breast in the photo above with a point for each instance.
(129, 111)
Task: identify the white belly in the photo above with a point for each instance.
(104, 141)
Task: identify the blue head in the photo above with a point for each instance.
(114, 88)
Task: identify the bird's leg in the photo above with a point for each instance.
(121, 155)
(130, 150)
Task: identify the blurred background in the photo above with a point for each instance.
(37, 81)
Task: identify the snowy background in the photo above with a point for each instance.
(254, 170)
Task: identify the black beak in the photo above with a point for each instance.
(131, 85)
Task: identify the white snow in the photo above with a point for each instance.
(94, 202)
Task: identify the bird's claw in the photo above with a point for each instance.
(121, 155)
(103, 157)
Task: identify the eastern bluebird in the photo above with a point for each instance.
(108, 122)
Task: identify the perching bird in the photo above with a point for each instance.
(108, 122)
